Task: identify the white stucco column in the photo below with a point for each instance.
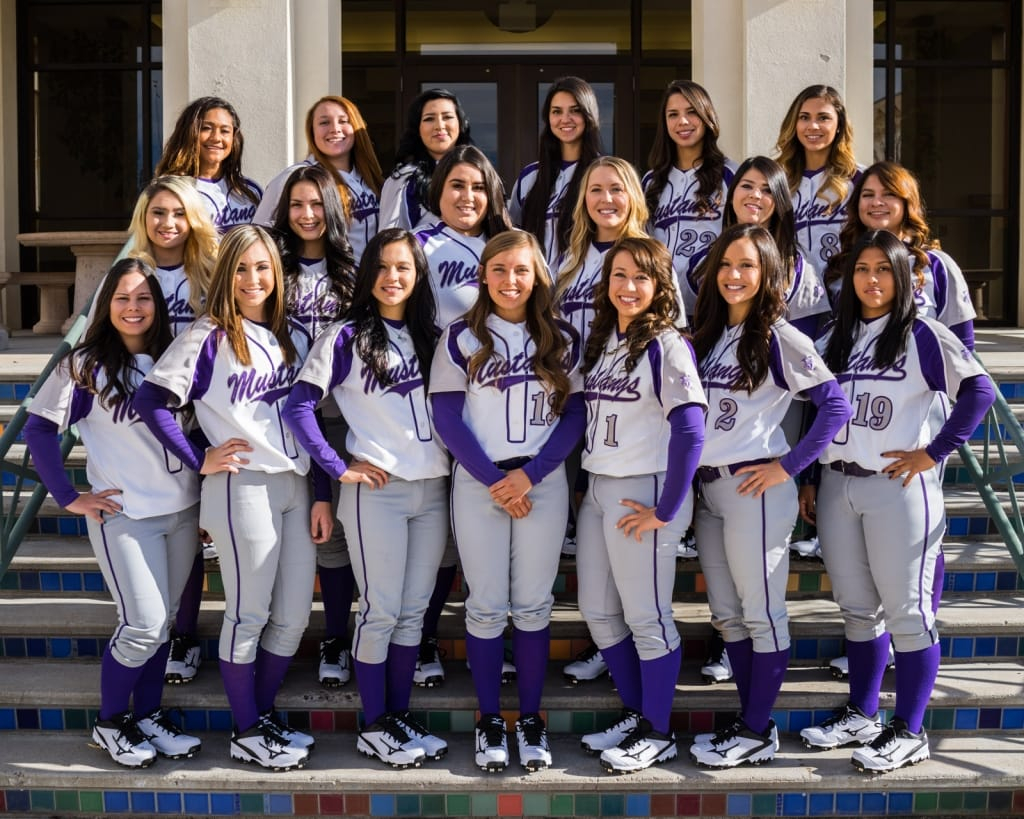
(755, 56)
(268, 58)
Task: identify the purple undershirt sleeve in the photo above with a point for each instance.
(965, 332)
(684, 447)
(41, 436)
(300, 414)
(809, 325)
(973, 399)
(151, 406)
(560, 443)
(461, 443)
(321, 482)
(832, 411)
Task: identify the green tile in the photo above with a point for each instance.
(9, 582)
(536, 804)
(686, 583)
(458, 804)
(808, 582)
(432, 804)
(763, 804)
(251, 803)
(942, 719)
(976, 801)
(74, 719)
(951, 800)
(613, 804)
(215, 582)
(407, 804)
(463, 721)
(925, 802)
(485, 804)
(91, 801)
(66, 800)
(41, 800)
(559, 585)
(588, 804)
(561, 804)
(582, 722)
(560, 722)
(439, 721)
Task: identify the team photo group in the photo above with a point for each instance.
(379, 379)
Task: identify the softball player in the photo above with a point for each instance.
(545, 190)
(206, 144)
(236, 365)
(753, 364)
(689, 174)
(143, 533)
(338, 142)
(394, 496)
(879, 508)
(815, 147)
(436, 124)
(466, 198)
(505, 392)
(645, 429)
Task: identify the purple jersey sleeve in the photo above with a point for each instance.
(41, 436)
(965, 332)
(973, 399)
(832, 411)
(560, 443)
(461, 442)
(684, 446)
(151, 405)
(300, 414)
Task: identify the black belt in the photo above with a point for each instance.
(851, 469)
(512, 463)
(710, 474)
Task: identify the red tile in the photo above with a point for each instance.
(695, 650)
(321, 720)
(688, 804)
(702, 721)
(1018, 803)
(663, 804)
(346, 721)
(679, 721)
(3, 802)
(357, 804)
(712, 804)
(510, 804)
(332, 804)
(306, 804)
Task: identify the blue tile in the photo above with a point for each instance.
(71, 581)
(93, 581)
(1006, 646)
(794, 804)
(278, 803)
(195, 720)
(956, 527)
(830, 647)
(799, 720)
(638, 804)
(28, 718)
(35, 646)
(220, 720)
(197, 803)
(900, 803)
(963, 647)
(985, 581)
(143, 802)
(225, 804)
(965, 719)
(984, 646)
(18, 800)
(7, 391)
(49, 581)
(382, 804)
(87, 647)
(168, 802)
(979, 526)
(872, 803)
(738, 804)
(67, 526)
(47, 526)
(963, 582)
(21, 391)
(821, 804)
(115, 801)
(989, 718)
(1006, 581)
(60, 647)
(14, 647)
(51, 719)
(805, 649)
(8, 721)
(1013, 718)
(848, 803)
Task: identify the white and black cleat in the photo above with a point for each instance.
(433, 746)
(532, 738)
(429, 673)
(166, 737)
(626, 724)
(840, 666)
(642, 748)
(687, 548)
(894, 748)
(716, 668)
(387, 740)
(121, 737)
(183, 660)
(588, 665)
(847, 726)
(292, 736)
(809, 549)
(735, 745)
(262, 745)
(491, 753)
(335, 668)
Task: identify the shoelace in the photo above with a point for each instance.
(494, 731)
(533, 730)
(179, 648)
(130, 730)
(412, 727)
(727, 734)
(429, 649)
(887, 737)
(839, 717)
(330, 651)
(162, 718)
(395, 729)
(587, 654)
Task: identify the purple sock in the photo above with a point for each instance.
(937, 581)
(240, 687)
(915, 678)
(117, 681)
(624, 667)
(186, 622)
(867, 660)
(401, 664)
(442, 588)
(485, 659)
(336, 590)
(658, 678)
(741, 655)
(766, 673)
(372, 681)
(530, 649)
(270, 671)
(149, 688)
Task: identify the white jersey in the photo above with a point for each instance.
(576, 304)
(507, 406)
(363, 205)
(678, 223)
(177, 292)
(234, 401)
(454, 262)
(891, 406)
(945, 295)
(817, 228)
(227, 208)
(389, 426)
(123, 453)
(627, 412)
(400, 206)
(744, 427)
(312, 301)
(521, 189)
